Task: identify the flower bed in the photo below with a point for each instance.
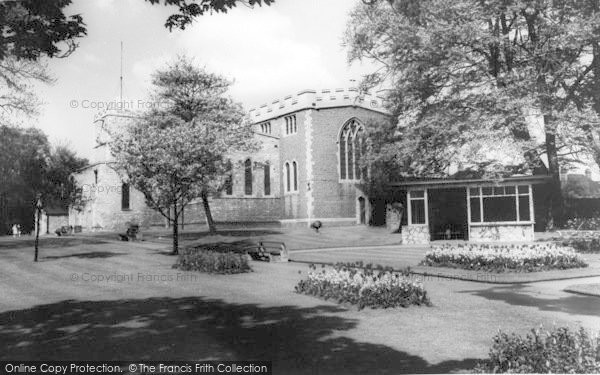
(584, 242)
(558, 351)
(191, 259)
(583, 223)
(368, 287)
(503, 258)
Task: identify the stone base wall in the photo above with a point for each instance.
(417, 234)
(501, 233)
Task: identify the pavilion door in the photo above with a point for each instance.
(448, 218)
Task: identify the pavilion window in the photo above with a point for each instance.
(500, 204)
(417, 207)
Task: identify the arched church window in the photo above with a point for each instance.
(287, 176)
(351, 149)
(295, 165)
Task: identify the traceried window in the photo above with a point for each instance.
(295, 168)
(248, 177)
(229, 185)
(291, 127)
(265, 127)
(500, 204)
(287, 177)
(351, 146)
(267, 178)
(291, 176)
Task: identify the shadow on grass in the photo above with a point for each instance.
(221, 247)
(297, 340)
(515, 295)
(90, 255)
(47, 242)
(224, 232)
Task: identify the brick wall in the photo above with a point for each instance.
(333, 198)
(314, 148)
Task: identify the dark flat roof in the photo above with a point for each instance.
(448, 182)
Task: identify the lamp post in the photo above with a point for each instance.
(38, 212)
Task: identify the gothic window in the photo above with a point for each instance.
(351, 148)
(248, 177)
(229, 185)
(125, 196)
(295, 165)
(287, 177)
(267, 178)
(265, 127)
(291, 127)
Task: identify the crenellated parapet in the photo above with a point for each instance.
(106, 123)
(317, 99)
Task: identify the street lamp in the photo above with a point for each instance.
(38, 212)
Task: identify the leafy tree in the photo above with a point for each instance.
(189, 10)
(31, 30)
(60, 189)
(466, 76)
(30, 166)
(178, 151)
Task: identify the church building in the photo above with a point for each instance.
(307, 169)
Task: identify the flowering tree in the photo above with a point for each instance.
(178, 151)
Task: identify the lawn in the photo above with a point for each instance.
(131, 305)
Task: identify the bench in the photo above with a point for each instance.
(269, 251)
(64, 231)
(132, 234)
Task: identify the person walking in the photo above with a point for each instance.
(14, 230)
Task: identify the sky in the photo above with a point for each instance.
(268, 53)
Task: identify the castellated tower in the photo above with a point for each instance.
(107, 123)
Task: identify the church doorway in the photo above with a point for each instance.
(362, 210)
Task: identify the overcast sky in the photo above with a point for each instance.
(270, 52)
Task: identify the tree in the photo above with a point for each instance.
(25, 153)
(189, 10)
(60, 188)
(30, 166)
(178, 151)
(31, 30)
(466, 75)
